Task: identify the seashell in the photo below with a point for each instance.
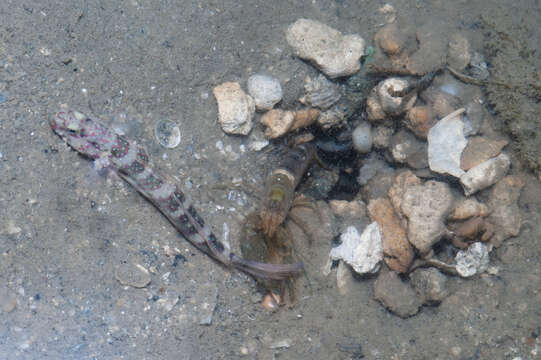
(320, 92)
(265, 90)
(392, 97)
(167, 133)
(395, 96)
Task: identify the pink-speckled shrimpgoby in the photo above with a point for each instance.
(131, 162)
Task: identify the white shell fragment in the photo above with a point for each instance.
(236, 109)
(473, 260)
(446, 142)
(266, 91)
(485, 174)
(167, 133)
(363, 252)
(334, 54)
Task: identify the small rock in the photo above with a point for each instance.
(382, 136)
(446, 142)
(505, 213)
(426, 206)
(485, 174)
(131, 274)
(334, 54)
(420, 120)
(362, 252)
(378, 186)
(401, 183)
(372, 165)
(432, 52)
(278, 122)
(236, 108)
(351, 209)
(472, 261)
(8, 300)
(459, 53)
(406, 148)
(362, 138)
(265, 90)
(468, 208)
(390, 39)
(430, 284)
(397, 251)
(441, 102)
(480, 149)
(396, 295)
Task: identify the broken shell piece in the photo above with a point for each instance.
(391, 97)
(363, 252)
(320, 92)
(279, 122)
(446, 142)
(271, 301)
(485, 174)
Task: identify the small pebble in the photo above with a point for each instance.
(362, 138)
